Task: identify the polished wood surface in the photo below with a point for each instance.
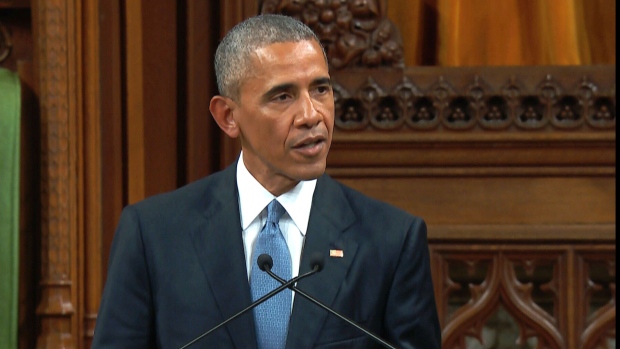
(91, 176)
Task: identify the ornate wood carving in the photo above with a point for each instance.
(500, 286)
(597, 281)
(357, 33)
(488, 100)
(474, 121)
(54, 51)
(354, 33)
(533, 285)
(5, 42)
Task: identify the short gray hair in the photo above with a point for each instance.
(232, 57)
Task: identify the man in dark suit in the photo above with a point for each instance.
(183, 262)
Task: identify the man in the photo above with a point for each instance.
(183, 262)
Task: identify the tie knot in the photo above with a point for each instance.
(274, 212)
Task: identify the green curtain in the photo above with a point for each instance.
(9, 206)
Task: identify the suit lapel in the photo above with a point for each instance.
(219, 246)
(331, 214)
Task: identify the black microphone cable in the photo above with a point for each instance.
(316, 261)
(265, 262)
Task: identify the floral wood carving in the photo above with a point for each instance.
(5, 43)
(516, 104)
(355, 33)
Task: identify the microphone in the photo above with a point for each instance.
(316, 261)
(265, 262)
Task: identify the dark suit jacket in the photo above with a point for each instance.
(177, 269)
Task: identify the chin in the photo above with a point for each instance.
(313, 173)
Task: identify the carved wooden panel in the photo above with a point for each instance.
(515, 121)
(596, 297)
(524, 296)
(354, 33)
(488, 100)
(56, 65)
(56, 52)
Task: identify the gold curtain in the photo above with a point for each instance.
(506, 32)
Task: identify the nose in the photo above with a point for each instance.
(308, 115)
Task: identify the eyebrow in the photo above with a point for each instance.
(321, 81)
(278, 89)
(290, 86)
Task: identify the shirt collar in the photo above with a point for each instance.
(253, 198)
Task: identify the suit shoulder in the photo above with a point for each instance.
(188, 197)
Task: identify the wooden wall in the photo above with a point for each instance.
(516, 180)
(513, 168)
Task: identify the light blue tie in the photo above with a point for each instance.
(272, 316)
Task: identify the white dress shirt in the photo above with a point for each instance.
(253, 201)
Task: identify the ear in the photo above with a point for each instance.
(222, 110)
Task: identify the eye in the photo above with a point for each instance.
(322, 89)
(281, 97)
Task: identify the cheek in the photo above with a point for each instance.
(276, 132)
(257, 130)
(328, 111)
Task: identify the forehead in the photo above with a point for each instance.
(287, 62)
(281, 52)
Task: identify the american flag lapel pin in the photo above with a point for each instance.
(336, 253)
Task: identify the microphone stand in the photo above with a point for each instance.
(291, 285)
(285, 284)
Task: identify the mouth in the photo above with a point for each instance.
(309, 142)
(310, 146)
